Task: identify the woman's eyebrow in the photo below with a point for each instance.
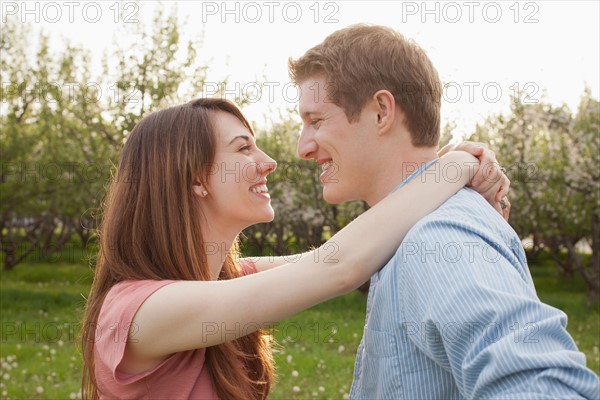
(243, 137)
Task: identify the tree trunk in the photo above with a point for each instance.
(554, 244)
(588, 274)
(536, 249)
(11, 245)
(594, 289)
(9, 259)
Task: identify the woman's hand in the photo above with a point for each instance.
(490, 180)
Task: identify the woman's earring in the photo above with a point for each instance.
(200, 191)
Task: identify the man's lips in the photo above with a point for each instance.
(325, 163)
(327, 168)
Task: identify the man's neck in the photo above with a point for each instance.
(397, 169)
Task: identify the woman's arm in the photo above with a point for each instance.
(195, 314)
(493, 186)
(264, 263)
(490, 180)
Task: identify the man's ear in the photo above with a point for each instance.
(385, 105)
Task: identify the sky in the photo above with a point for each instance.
(484, 50)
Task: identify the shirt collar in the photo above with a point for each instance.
(415, 174)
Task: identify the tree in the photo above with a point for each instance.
(552, 160)
(62, 129)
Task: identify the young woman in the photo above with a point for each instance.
(165, 318)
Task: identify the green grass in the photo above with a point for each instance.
(41, 305)
(570, 296)
(317, 349)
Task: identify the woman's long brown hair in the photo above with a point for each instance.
(152, 229)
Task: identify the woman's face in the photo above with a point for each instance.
(237, 182)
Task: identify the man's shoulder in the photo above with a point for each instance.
(467, 209)
(464, 222)
(463, 229)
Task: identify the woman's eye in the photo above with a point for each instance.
(315, 122)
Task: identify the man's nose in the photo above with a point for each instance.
(307, 147)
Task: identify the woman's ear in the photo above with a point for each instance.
(199, 190)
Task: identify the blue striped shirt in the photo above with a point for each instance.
(455, 315)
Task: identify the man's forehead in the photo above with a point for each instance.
(312, 109)
(313, 98)
(315, 89)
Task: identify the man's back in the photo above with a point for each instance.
(454, 314)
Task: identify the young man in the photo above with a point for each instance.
(454, 314)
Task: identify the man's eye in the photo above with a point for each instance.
(245, 148)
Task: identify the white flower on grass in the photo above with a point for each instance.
(289, 358)
(296, 389)
(6, 377)
(294, 373)
(346, 396)
(321, 389)
(72, 396)
(39, 389)
(341, 348)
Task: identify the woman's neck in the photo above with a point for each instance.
(217, 244)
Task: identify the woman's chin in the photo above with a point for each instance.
(269, 217)
(266, 216)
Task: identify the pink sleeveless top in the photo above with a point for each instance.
(181, 376)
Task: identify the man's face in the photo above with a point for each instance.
(344, 150)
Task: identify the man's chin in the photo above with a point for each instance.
(333, 196)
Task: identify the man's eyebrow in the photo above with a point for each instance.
(243, 137)
(308, 114)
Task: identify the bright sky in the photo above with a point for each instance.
(483, 50)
